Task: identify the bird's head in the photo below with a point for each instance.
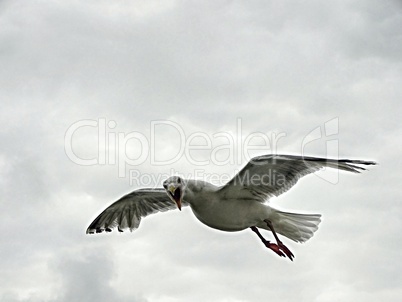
(174, 187)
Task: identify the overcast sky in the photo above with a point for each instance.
(99, 98)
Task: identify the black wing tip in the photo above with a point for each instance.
(355, 165)
(98, 230)
(90, 230)
(358, 162)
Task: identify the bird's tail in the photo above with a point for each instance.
(298, 227)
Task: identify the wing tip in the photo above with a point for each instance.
(98, 230)
(358, 162)
(355, 166)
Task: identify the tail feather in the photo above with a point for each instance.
(298, 227)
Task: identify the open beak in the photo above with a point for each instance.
(175, 193)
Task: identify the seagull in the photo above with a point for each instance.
(242, 203)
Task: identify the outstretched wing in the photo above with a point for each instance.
(126, 213)
(271, 175)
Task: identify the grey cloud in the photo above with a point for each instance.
(85, 278)
(88, 279)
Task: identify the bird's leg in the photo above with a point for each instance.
(281, 246)
(267, 243)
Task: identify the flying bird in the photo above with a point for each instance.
(240, 204)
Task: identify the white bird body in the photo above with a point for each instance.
(218, 212)
(237, 214)
(236, 206)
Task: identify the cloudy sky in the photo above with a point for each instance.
(99, 98)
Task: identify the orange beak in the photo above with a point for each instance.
(175, 193)
(178, 203)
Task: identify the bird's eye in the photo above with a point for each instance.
(179, 180)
